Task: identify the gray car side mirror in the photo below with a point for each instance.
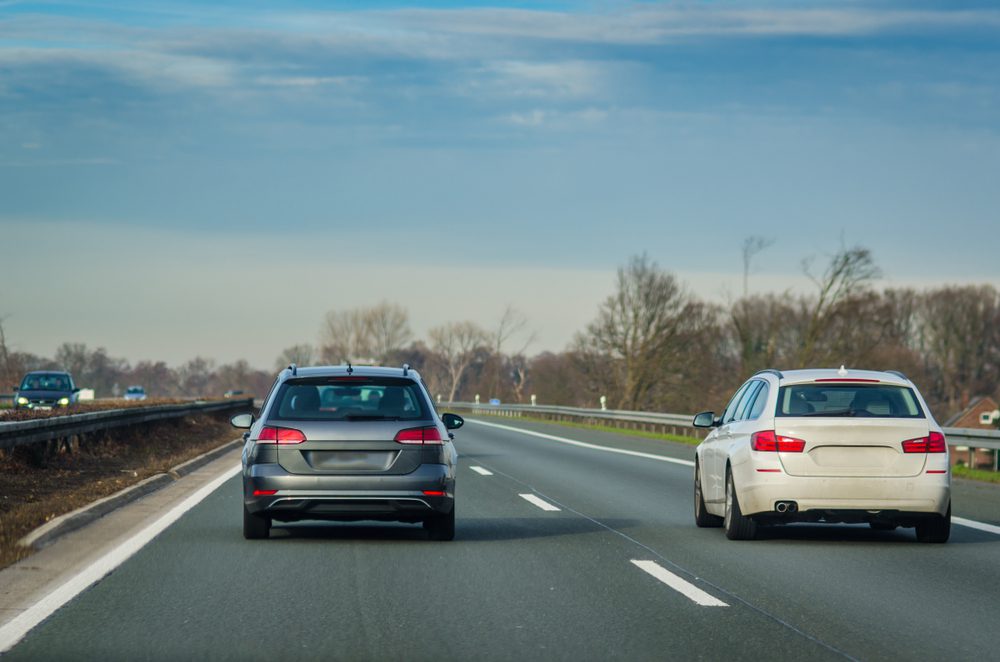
(452, 421)
(243, 421)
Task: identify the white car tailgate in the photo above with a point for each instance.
(852, 447)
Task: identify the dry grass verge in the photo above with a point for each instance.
(31, 495)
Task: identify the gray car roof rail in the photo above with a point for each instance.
(770, 371)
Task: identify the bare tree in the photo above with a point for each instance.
(345, 337)
(195, 377)
(643, 328)
(5, 362)
(390, 329)
(73, 357)
(301, 354)
(364, 334)
(455, 345)
(959, 337)
(512, 322)
(752, 245)
(848, 274)
(765, 331)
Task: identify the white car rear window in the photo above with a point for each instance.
(854, 400)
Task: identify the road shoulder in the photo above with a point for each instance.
(29, 581)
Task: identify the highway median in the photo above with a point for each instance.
(46, 493)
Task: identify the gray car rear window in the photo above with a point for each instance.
(854, 400)
(350, 399)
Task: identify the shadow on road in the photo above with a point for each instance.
(466, 529)
(862, 533)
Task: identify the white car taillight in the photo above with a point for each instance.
(767, 440)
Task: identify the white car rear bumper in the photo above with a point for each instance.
(759, 492)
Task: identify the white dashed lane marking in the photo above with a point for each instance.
(544, 505)
(684, 587)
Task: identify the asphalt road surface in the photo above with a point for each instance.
(561, 552)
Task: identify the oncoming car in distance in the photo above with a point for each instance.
(824, 446)
(135, 393)
(345, 444)
(46, 389)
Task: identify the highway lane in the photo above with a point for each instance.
(522, 581)
(849, 586)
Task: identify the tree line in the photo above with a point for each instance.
(652, 344)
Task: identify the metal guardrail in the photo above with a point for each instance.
(21, 433)
(973, 438)
(966, 437)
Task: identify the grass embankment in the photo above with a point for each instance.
(959, 471)
(31, 495)
(678, 438)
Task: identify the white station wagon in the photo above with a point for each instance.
(824, 446)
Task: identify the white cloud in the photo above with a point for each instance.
(569, 79)
(309, 81)
(143, 66)
(44, 163)
(564, 120)
(650, 24)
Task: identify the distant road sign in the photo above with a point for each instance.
(495, 401)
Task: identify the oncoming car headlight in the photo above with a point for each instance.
(63, 402)
(22, 400)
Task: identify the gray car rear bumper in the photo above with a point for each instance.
(348, 497)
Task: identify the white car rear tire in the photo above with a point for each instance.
(737, 526)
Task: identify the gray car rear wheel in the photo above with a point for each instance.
(441, 527)
(255, 527)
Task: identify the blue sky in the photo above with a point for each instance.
(495, 153)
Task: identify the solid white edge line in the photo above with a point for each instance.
(972, 524)
(564, 440)
(481, 471)
(684, 587)
(544, 505)
(16, 629)
(961, 521)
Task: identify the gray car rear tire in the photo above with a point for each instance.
(255, 527)
(441, 527)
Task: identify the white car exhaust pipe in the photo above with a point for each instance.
(786, 507)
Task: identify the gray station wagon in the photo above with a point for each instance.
(349, 443)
